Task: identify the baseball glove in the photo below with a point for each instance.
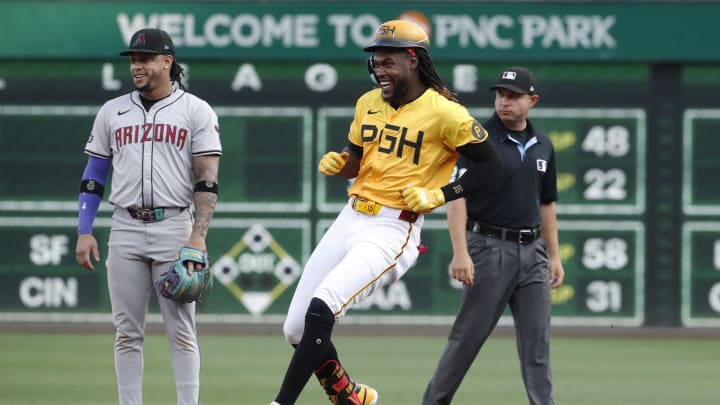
(177, 285)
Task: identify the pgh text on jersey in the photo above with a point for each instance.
(149, 132)
(393, 139)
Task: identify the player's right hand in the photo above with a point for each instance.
(86, 246)
(332, 163)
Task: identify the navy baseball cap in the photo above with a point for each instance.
(150, 40)
(516, 79)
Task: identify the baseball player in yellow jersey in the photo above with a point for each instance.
(403, 143)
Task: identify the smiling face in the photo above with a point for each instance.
(151, 74)
(396, 70)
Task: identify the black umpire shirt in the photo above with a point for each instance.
(526, 182)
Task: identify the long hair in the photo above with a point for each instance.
(429, 76)
(176, 74)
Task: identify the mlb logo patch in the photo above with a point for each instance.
(509, 75)
(541, 165)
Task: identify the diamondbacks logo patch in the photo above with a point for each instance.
(139, 40)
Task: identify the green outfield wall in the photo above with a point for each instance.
(628, 96)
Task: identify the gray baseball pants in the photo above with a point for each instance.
(505, 273)
(138, 253)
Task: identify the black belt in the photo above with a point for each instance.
(154, 214)
(515, 235)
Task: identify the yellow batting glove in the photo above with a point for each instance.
(421, 199)
(332, 163)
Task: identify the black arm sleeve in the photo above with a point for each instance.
(483, 174)
(358, 150)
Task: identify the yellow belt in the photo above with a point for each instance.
(365, 206)
(368, 207)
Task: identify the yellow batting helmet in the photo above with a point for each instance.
(399, 34)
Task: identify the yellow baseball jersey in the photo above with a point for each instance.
(414, 145)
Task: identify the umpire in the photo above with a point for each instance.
(505, 248)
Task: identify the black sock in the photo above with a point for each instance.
(330, 354)
(313, 348)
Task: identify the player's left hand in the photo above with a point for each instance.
(421, 199)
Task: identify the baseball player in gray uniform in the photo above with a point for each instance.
(158, 139)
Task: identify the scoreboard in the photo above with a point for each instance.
(274, 206)
(700, 193)
(701, 209)
(604, 263)
(601, 158)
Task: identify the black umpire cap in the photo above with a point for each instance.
(150, 40)
(516, 79)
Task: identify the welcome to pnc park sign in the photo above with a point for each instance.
(338, 30)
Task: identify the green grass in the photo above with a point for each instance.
(247, 370)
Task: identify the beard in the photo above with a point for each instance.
(145, 88)
(398, 95)
(148, 84)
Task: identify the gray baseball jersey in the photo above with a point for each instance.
(152, 150)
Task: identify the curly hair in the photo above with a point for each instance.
(176, 74)
(429, 76)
